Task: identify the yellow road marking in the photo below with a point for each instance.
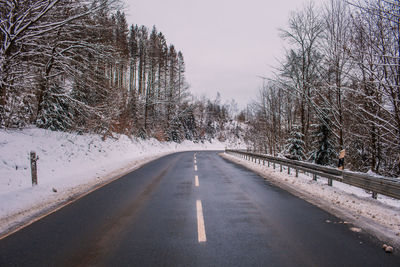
(201, 230)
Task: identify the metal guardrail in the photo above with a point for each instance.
(385, 186)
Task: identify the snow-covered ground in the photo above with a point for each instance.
(380, 217)
(71, 164)
(68, 165)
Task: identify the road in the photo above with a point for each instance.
(191, 209)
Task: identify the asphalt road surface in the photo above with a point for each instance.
(191, 209)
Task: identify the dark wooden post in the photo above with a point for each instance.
(34, 168)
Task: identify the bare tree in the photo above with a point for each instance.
(40, 40)
(299, 73)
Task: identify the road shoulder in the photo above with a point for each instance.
(341, 204)
(40, 209)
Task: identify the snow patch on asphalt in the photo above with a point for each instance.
(380, 217)
(69, 164)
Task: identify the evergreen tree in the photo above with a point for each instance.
(324, 150)
(56, 113)
(295, 145)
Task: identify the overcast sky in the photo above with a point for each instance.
(227, 44)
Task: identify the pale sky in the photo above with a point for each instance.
(226, 44)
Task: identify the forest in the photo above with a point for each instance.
(336, 87)
(77, 66)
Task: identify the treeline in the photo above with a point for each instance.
(337, 87)
(76, 65)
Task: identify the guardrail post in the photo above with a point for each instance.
(330, 182)
(268, 162)
(314, 177)
(263, 162)
(274, 165)
(288, 170)
(34, 167)
(297, 172)
(374, 195)
(281, 167)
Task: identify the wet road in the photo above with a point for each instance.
(190, 209)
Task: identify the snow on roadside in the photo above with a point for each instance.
(380, 217)
(69, 164)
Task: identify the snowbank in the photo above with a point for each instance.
(354, 205)
(68, 164)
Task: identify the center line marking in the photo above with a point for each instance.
(195, 167)
(196, 181)
(201, 230)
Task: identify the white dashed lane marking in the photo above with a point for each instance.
(201, 230)
(195, 162)
(196, 181)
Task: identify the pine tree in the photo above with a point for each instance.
(295, 144)
(324, 149)
(56, 113)
(133, 56)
